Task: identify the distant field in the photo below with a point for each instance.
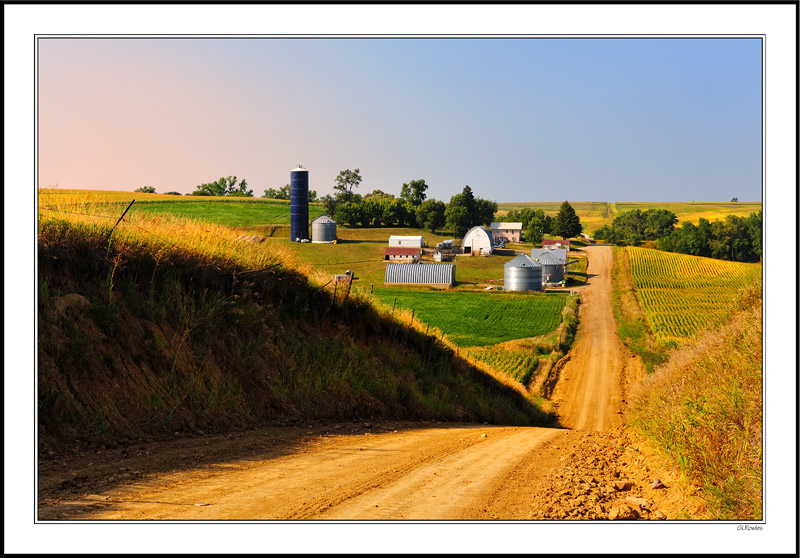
(681, 294)
(481, 319)
(228, 211)
(594, 215)
(694, 211)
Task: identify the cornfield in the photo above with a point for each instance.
(681, 294)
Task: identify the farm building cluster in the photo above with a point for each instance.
(544, 267)
(404, 254)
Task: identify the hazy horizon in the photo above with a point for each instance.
(519, 120)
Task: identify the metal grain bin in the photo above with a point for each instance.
(323, 229)
(552, 266)
(522, 274)
(298, 199)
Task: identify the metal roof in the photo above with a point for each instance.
(555, 241)
(421, 273)
(323, 219)
(548, 259)
(559, 254)
(485, 231)
(506, 226)
(394, 237)
(523, 260)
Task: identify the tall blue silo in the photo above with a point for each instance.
(298, 196)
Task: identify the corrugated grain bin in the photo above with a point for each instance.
(298, 201)
(522, 274)
(553, 266)
(323, 230)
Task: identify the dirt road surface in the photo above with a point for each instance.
(387, 471)
(591, 384)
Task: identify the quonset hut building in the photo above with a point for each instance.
(442, 276)
(478, 241)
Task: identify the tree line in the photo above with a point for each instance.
(734, 238)
(411, 209)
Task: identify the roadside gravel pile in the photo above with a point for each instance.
(614, 476)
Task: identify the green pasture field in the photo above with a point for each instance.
(238, 213)
(472, 319)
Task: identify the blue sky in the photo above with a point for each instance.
(516, 119)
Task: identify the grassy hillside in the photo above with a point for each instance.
(177, 326)
(704, 410)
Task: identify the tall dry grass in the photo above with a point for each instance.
(704, 410)
(186, 326)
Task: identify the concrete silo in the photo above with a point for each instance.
(298, 200)
(522, 274)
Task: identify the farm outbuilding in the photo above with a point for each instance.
(554, 244)
(409, 255)
(554, 264)
(522, 274)
(478, 241)
(323, 230)
(406, 242)
(433, 275)
(506, 232)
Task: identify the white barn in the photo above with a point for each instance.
(478, 241)
(406, 242)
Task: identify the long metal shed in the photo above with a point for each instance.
(434, 275)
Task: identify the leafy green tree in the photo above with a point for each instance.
(457, 217)
(537, 226)
(312, 195)
(225, 186)
(349, 212)
(755, 229)
(346, 181)
(658, 223)
(414, 192)
(430, 214)
(567, 224)
(172, 193)
(466, 211)
(484, 212)
(146, 190)
(239, 190)
(281, 193)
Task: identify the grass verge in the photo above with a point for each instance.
(704, 410)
